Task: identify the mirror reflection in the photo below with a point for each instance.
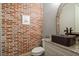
(69, 18)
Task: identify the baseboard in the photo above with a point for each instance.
(26, 54)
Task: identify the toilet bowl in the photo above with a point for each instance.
(38, 51)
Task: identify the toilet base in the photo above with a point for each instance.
(39, 55)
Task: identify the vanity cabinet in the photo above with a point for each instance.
(66, 40)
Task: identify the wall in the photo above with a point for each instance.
(19, 38)
(76, 17)
(67, 17)
(49, 25)
(0, 28)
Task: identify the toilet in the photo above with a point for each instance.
(38, 51)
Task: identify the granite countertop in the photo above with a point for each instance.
(74, 48)
(66, 36)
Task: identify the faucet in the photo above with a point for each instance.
(66, 31)
(71, 30)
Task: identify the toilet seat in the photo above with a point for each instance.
(38, 51)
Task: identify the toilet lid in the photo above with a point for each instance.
(38, 49)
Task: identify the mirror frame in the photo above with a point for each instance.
(60, 8)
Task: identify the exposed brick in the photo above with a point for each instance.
(21, 38)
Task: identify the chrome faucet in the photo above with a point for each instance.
(71, 30)
(66, 31)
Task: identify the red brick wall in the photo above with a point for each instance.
(20, 38)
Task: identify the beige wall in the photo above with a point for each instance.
(49, 25)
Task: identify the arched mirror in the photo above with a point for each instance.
(68, 17)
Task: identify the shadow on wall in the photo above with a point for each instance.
(50, 12)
